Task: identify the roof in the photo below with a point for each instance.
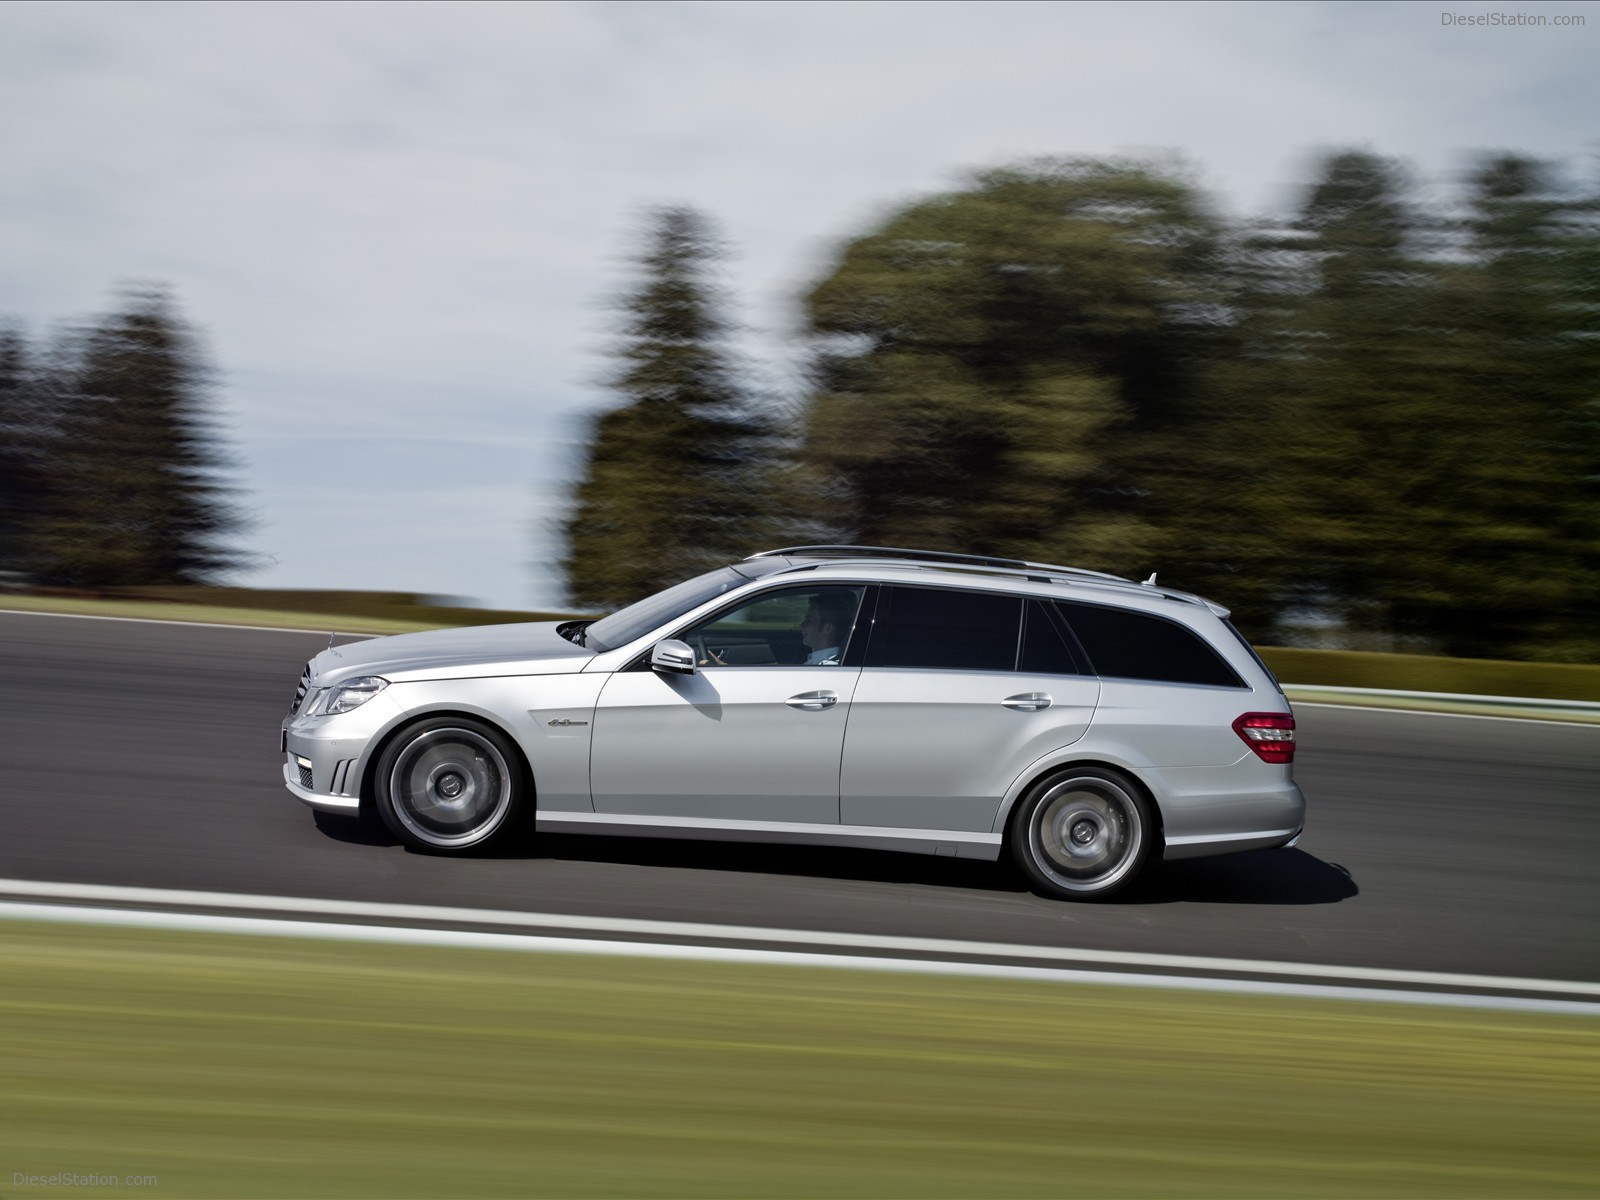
(982, 565)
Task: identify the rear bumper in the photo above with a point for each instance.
(1203, 847)
(1225, 810)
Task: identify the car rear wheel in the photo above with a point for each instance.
(450, 784)
(1083, 833)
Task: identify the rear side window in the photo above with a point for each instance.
(1131, 645)
(1044, 648)
(927, 627)
(1260, 662)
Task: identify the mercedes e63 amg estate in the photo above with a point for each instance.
(846, 695)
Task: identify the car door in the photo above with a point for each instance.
(755, 734)
(960, 692)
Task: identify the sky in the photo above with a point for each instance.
(402, 228)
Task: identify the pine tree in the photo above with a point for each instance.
(1352, 357)
(677, 476)
(135, 495)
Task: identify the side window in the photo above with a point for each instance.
(789, 627)
(1130, 645)
(929, 627)
(1044, 648)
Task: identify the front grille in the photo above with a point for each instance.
(305, 776)
(300, 692)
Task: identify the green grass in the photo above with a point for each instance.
(1433, 673)
(211, 614)
(239, 1066)
(346, 612)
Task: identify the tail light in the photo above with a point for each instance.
(1270, 735)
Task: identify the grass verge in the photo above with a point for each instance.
(1433, 673)
(242, 1066)
(211, 614)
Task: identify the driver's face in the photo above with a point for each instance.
(814, 631)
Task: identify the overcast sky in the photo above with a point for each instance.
(399, 225)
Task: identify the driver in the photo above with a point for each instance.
(826, 621)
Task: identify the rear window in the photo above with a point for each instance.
(1130, 645)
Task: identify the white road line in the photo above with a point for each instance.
(323, 632)
(465, 939)
(106, 893)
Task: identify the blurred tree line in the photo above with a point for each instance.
(109, 466)
(1381, 415)
(684, 464)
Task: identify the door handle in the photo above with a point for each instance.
(813, 701)
(1028, 701)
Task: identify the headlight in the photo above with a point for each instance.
(352, 693)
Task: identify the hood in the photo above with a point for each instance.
(531, 648)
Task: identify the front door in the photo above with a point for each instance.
(755, 734)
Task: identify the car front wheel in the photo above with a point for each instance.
(1083, 833)
(450, 784)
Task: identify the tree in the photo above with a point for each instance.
(1517, 458)
(21, 446)
(676, 480)
(1434, 377)
(1349, 353)
(993, 363)
(135, 496)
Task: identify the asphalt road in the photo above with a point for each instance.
(147, 755)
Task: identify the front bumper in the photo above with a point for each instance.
(326, 757)
(339, 803)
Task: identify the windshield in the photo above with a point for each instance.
(639, 618)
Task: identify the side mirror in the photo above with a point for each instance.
(672, 656)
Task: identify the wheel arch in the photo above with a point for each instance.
(375, 749)
(1034, 776)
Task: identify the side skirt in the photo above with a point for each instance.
(862, 837)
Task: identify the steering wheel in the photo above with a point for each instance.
(704, 655)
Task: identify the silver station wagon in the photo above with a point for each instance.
(842, 695)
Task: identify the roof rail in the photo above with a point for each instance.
(983, 564)
(935, 556)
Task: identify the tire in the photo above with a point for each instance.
(1083, 833)
(451, 785)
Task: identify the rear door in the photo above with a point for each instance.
(961, 690)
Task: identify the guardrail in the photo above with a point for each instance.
(1582, 711)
